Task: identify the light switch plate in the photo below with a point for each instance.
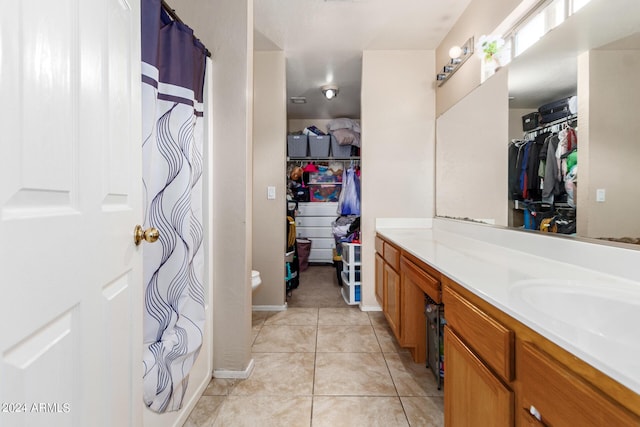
(600, 195)
(271, 192)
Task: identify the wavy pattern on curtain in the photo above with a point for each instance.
(173, 67)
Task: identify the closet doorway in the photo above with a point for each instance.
(323, 183)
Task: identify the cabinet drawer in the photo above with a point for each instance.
(427, 284)
(318, 209)
(489, 339)
(391, 255)
(323, 243)
(379, 245)
(311, 232)
(561, 397)
(314, 221)
(321, 255)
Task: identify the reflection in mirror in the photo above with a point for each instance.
(471, 159)
(592, 189)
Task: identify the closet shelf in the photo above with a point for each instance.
(571, 120)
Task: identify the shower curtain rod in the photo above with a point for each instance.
(172, 13)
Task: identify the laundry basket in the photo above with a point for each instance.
(304, 248)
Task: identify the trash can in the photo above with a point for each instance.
(304, 248)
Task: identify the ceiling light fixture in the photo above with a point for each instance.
(330, 91)
(458, 55)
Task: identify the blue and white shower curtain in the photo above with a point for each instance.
(173, 67)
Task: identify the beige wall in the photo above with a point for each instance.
(471, 155)
(515, 122)
(609, 152)
(480, 18)
(269, 154)
(230, 26)
(398, 137)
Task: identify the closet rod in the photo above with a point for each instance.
(172, 13)
(571, 118)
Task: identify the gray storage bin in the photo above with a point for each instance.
(339, 151)
(319, 145)
(297, 146)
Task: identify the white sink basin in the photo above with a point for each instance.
(595, 311)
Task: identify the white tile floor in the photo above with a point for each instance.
(324, 367)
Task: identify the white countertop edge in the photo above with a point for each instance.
(446, 237)
(404, 222)
(602, 256)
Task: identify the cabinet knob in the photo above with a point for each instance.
(536, 414)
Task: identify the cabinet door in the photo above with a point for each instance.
(560, 397)
(380, 280)
(412, 318)
(392, 299)
(473, 396)
(490, 340)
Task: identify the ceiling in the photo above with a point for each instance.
(323, 42)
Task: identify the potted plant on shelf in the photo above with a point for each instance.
(491, 47)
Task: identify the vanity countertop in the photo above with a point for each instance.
(593, 315)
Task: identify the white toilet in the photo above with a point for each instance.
(255, 280)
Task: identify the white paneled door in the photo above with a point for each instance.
(70, 196)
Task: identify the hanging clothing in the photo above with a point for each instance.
(551, 185)
(515, 164)
(571, 176)
(533, 178)
(349, 200)
(173, 67)
(523, 172)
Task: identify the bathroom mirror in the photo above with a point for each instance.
(595, 54)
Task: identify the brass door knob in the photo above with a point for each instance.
(150, 235)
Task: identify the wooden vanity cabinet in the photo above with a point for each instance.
(494, 361)
(380, 280)
(473, 395)
(387, 282)
(489, 339)
(479, 365)
(496, 368)
(551, 395)
(415, 282)
(401, 282)
(392, 299)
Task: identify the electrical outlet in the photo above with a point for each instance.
(600, 195)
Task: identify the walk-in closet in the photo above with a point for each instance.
(323, 176)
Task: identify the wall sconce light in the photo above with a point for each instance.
(458, 55)
(330, 91)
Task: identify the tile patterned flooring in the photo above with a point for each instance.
(322, 366)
